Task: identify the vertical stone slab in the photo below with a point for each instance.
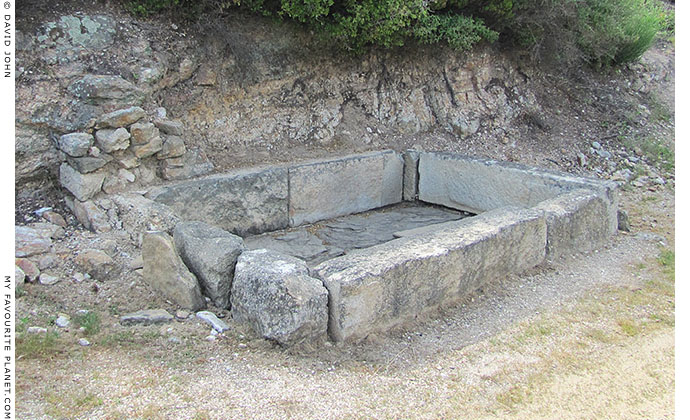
(352, 184)
(373, 289)
(575, 222)
(242, 202)
(477, 185)
(411, 175)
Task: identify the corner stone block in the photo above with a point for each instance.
(277, 297)
(352, 184)
(373, 289)
(165, 272)
(82, 186)
(575, 222)
(242, 202)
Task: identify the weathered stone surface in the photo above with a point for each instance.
(375, 288)
(241, 202)
(143, 132)
(477, 185)
(121, 118)
(139, 214)
(29, 268)
(87, 164)
(129, 161)
(146, 317)
(623, 221)
(173, 146)
(193, 164)
(110, 140)
(29, 241)
(410, 175)
(126, 175)
(154, 146)
(48, 279)
(72, 34)
(342, 186)
(99, 89)
(97, 263)
(211, 319)
(82, 186)
(62, 321)
(171, 127)
(48, 230)
(206, 76)
(19, 276)
(211, 254)
(76, 144)
(165, 272)
(54, 218)
(575, 222)
(276, 296)
(91, 216)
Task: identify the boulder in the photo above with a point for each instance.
(29, 241)
(82, 186)
(165, 272)
(97, 263)
(143, 132)
(146, 317)
(110, 140)
(275, 295)
(211, 254)
(101, 89)
(121, 118)
(76, 144)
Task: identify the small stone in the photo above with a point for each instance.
(130, 162)
(596, 145)
(75, 144)
(174, 340)
(505, 140)
(84, 342)
(581, 159)
(87, 164)
(91, 216)
(173, 146)
(36, 330)
(213, 321)
(187, 66)
(137, 263)
(110, 140)
(94, 151)
(660, 181)
(97, 263)
(206, 76)
(121, 118)
(182, 314)
(211, 338)
(161, 112)
(47, 279)
(638, 151)
(82, 186)
(143, 133)
(62, 321)
(148, 149)
(171, 127)
(29, 268)
(146, 317)
(54, 218)
(79, 277)
(127, 175)
(603, 153)
(49, 230)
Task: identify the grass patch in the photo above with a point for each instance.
(628, 327)
(90, 321)
(71, 406)
(37, 346)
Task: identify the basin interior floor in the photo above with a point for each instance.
(335, 237)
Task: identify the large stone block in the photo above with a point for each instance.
(83, 186)
(477, 185)
(165, 272)
(576, 222)
(276, 296)
(242, 202)
(211, 254)
(102, 89)
(29, 241)
(352, 184)
(373, 289)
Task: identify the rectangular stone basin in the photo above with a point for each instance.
(391, 272)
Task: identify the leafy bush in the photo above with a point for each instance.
(601, 32)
